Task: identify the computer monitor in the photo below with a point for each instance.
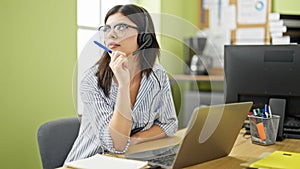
(259, 73)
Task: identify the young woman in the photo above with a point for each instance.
(126, 95)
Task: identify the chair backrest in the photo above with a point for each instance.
(55, 140)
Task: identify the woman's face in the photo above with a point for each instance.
(127, 41)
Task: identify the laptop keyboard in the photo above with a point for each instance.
(166, 160)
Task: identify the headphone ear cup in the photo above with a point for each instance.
(144, 40)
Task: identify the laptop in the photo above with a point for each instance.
(210, 134)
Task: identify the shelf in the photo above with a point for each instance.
(183, 77)
(216, 74)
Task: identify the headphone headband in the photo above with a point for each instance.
(146, 20)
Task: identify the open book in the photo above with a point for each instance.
(102, 161)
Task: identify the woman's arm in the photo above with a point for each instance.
(154, 132)
(100, 113)
(121, 122)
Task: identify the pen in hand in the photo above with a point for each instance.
(103, 47)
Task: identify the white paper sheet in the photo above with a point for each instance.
(252, 11)
(101, 161)
(229, 17)
(250, 36)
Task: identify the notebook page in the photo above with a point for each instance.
(103, 161)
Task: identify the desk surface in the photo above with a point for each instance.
(242, 152)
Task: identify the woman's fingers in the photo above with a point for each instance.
(119, 61)
(119, 65)
(116, 54)
(116, 57)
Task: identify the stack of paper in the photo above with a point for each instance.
(277, 28)
(102, 161)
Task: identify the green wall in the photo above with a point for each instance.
(286, 6)
(179, 20)
(37, 58)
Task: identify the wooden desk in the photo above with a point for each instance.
(243, 150)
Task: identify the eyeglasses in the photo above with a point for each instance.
(119, 29)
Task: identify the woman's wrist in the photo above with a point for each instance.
(124, 86)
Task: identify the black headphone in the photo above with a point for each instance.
(144, 38)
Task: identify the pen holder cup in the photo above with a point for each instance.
(264, 130)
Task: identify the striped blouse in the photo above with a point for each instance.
(154, 105)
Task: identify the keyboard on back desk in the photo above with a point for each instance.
(291, 128)
(292, 123)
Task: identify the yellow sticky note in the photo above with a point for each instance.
(279, 159)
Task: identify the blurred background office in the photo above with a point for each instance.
(38, 56)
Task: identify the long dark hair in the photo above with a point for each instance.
(137, 15)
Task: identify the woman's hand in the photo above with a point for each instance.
(154, 132)
(119, 65)
(135, 140)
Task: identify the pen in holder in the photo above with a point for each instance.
(264, 130)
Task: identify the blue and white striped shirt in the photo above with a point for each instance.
(154, 105)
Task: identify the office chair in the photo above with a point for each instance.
(55, 140)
